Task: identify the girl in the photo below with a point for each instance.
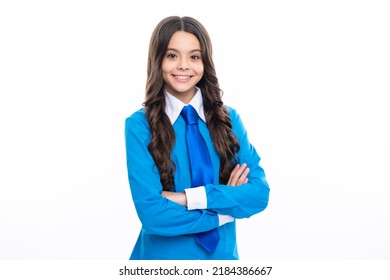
(183, 214)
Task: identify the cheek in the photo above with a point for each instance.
(166, 67)
(199, 69)
(201, 72)
(165, 72)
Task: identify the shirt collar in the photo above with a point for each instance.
(173, 105)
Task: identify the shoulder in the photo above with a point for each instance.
(230, 109)
(137, 120)
(137, 116)
(237, 124)
(233, 114)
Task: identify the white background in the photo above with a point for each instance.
(309, 78)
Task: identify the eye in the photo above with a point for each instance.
(195, 57)
(171, 55)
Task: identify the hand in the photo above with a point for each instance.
(239, 175)
(178, 197)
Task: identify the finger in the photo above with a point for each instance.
(243, 177)
(232, 174)
(236, 173)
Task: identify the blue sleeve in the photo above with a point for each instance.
(157, 214)
(248, 199)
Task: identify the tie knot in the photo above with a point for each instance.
(189, 114)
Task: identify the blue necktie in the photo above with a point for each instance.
(202, 172)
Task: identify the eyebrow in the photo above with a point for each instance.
(175, 50)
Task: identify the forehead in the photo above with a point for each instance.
(184, 41)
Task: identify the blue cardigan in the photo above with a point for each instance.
(167, 227)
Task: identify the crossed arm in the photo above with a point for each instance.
(237, 177)
(167, 213)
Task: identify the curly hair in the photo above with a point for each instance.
(217, 116)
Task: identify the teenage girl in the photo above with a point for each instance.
(181, 72)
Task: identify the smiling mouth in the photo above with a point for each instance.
(182, 77)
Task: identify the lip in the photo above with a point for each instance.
(182, 78)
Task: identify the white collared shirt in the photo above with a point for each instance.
(196, 197)
(173, 105)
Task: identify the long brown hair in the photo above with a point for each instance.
(217, 117)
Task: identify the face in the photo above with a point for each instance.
(182, 66)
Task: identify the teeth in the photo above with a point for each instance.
(183, 77)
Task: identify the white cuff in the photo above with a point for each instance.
(224, 219)
(196, 198)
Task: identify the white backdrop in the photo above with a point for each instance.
(309, 78)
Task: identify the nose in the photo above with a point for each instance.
(183, 64)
